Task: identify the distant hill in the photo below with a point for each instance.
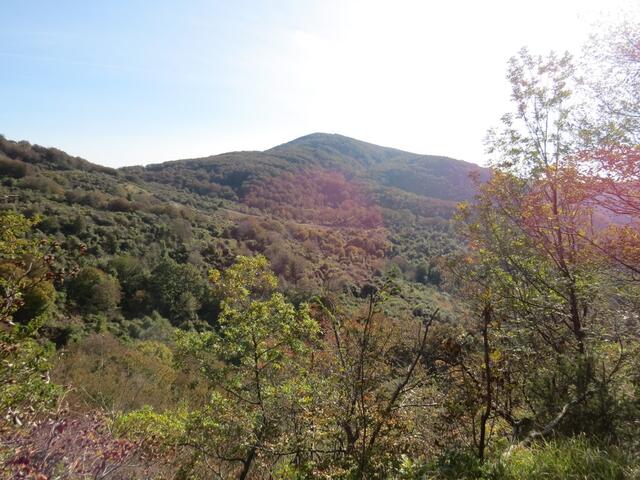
(429, 176)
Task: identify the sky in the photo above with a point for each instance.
(129, 82)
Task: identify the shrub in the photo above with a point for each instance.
(37, 300)
(120, 205)
(13, 168)
(75, 226)
(75, 447)
(117, 375)
(571, 459)
(42, 184)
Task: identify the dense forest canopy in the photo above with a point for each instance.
(330, 308)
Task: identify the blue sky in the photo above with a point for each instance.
(133, 82)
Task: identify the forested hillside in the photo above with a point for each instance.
(319, 208)
(332, 309)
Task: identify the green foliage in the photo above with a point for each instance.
(27, 390)
(451, 465)
(150, 327)
(133, 276)
(38, 300)
(572, 459)
(42, 184)
(320, 228)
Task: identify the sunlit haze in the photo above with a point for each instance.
(136, 82)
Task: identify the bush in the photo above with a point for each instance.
(453, 465)
(94, 199)
(50, 225)
(75, 226)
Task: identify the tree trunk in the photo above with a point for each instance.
(247, 464)
(488, 399)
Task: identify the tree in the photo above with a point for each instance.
(26, 262)
(527, 235)
(94, 291)
(611, 68)
(255, 364)
(179, 291)
(133, 277)
(13, 168)
(374, 371)
(612, 185)
(610, 160)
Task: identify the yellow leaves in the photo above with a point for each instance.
(249, 276)
(495, 356)
(214, 276)
(462, 211)
(146, 424)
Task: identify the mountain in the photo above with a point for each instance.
(327, 210)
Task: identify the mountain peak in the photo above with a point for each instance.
(319, 137)
(334, 140)
(334, 148)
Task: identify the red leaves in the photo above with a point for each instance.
(612, 185)
(82, 446)
(587, 210)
